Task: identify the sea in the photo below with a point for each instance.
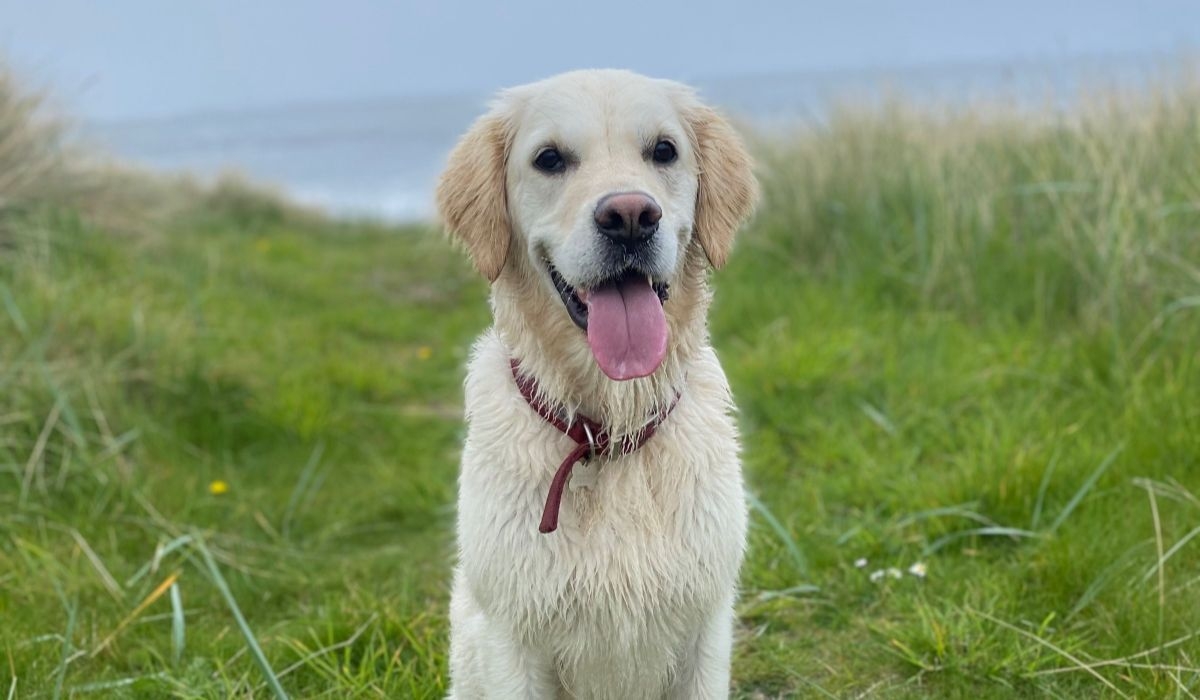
(379, 158)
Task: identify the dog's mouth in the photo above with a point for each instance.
(624, 320)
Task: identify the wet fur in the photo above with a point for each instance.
(632, 596)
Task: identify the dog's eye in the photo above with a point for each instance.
(549, 160)
(664, 152)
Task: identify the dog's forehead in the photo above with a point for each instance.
(579, 109)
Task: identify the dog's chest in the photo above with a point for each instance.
(643, 557)
(647, 544)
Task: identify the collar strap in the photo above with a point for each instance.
(591, 440)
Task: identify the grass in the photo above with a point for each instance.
(229, 429)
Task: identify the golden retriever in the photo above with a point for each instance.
(595, 203)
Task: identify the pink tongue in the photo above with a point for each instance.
(627, 329)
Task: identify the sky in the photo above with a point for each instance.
(130, 59)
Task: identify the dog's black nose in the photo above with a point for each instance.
(628, 218)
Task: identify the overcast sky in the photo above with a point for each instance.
(134, 58)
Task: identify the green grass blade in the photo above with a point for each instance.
(60, 673)
(817, 687)
(1036, 519)
(962, 511)
(780, 531)
(1170, 553)
(178, 632)
(792, 592)
(14, 312)
(1010, 532)
(301, 487)
(159, 554)
(1085, 489)
(103, 686)
(251, 642)
(1107, 575)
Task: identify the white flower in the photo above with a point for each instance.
(860, 563)
(917, 569)
(876, 575)
(894, 572)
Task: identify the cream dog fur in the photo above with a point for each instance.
(632, 597)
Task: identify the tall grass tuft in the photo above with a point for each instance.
(33, 166)
(1087, 215)
(48, 169)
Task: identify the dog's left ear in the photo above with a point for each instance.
(728, 190)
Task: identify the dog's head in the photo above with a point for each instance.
(602, 181)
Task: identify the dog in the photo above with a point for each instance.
(601, 512)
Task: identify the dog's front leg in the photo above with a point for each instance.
(488, 662)
(516, 671)
(704, 671)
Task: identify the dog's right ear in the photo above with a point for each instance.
(471, 195)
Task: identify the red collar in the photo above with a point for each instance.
(591, 440)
